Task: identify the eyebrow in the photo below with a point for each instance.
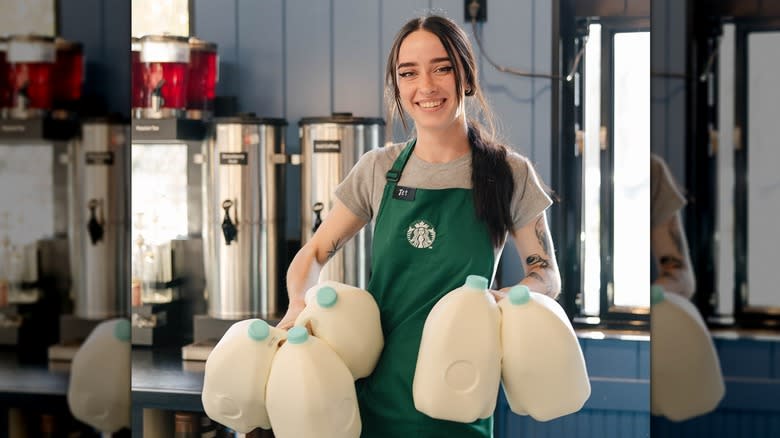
(433, 61)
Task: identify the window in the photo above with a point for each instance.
(741, 106)
(612, 181)
(156, 17)
(748, 183)
(762, 192)
(27, 212)
(26, 17)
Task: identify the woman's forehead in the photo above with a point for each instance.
(421, 46)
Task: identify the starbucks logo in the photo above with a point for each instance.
(421, 234)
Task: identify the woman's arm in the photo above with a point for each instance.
(535, 248)
(670, 248)
(336, 229)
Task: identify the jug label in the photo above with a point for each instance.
(404, 193)
(99, 158)
(233, 158)
(327, 145)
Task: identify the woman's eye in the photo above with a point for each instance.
(405, 74)
(444, 69)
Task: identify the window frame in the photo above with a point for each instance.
(568, 177)
(744, 314)
(608, 309)
(702, 178)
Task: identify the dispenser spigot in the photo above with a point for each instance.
(317, 209)
(229, 229)
(156, 96)
(96, 222)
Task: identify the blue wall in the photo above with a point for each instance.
(295, 59)
(104, 29)
(667, 99)
(619, 404)
(751, 405)
(620, 395)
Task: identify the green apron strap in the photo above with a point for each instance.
(394, 174)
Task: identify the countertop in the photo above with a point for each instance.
(31, 382)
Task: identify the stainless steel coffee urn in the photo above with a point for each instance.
(98, 229)
(330, 147)
(243, 221)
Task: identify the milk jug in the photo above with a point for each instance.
(310, 391)
(543, 371)
(459, 363)
(686, 379)
(237, 372)
(347, 319)
(99, 388)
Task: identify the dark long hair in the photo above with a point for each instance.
(491, 176)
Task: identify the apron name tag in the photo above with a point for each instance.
(404, 193)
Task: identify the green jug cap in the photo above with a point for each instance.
(519, 294)
(259, 330)
(297, 335)
(327, 297)
(477, 282)
(656, 294)
(122, 330)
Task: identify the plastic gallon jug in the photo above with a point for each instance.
(99, 389)
(459, 363)
(543, 370)
(237, 372)
(347, 319)
(310, 391)
(685, 377)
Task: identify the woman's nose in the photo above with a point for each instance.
(426, 84)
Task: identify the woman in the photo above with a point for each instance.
(443, 205)
(668, 242)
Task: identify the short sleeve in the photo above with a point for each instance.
(530, 198)
(665, 198)
(355, 190)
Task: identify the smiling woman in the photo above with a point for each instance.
(449, 198)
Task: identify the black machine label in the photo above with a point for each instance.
(327, 145)
(229, 158)
(147, 128)
(404, 193)
(99, 158)
(16, 129)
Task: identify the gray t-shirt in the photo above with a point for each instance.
(665, 197)
(362, 189)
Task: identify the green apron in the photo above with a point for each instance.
(425, 244)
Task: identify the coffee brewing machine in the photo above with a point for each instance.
(98, 230)
(38, 78)
(243, 234)
(243, 227)
(173, 85)
(331, 146)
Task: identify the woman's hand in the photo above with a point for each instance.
(499, 294)
(289, 318)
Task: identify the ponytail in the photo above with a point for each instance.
(492, 184)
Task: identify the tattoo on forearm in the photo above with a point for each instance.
(336, 246)
(536, 259)
(541, 235)
(671, 262)
(671, 266)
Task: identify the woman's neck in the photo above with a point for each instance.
(442, 146)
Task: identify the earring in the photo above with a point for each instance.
(469, 92)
